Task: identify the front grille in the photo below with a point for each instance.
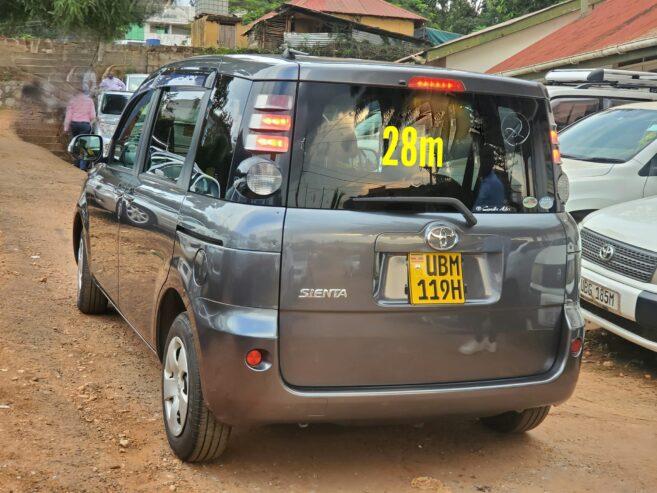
(635, 263)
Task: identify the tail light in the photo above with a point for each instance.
(267, 143)
(281, 123)
(432, 84)
(554, 142)
(273, 102)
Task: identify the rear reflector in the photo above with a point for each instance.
(273, 102)
(281, 123)
(253, 358)
(430, 84)
(576, 347)
(267, 143)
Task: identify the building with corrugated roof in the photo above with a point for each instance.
(316, 22)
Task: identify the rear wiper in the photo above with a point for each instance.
(449, 201)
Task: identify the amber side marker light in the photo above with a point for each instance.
(431, 84)
(253, 358)
(267, 143)
(281, 123)
(576, 346)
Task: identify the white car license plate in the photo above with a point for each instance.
(595, 293)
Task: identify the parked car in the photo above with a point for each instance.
(577, 93)
(133, 81)
(619, 270)
(610, 157)
(306, 281)
(110, 105)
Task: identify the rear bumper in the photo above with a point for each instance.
(239, 395)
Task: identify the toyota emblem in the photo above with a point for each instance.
(606, 252)
(442, 238)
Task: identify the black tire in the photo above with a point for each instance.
(517, 422)
(90, 299)
(203, 437)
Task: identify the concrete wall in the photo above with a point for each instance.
(481, 58)
(38, 77)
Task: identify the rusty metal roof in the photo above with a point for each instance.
(374, 8)
(611, 23)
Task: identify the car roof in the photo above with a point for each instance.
(644, 105)
(351, 71)
(607, 92)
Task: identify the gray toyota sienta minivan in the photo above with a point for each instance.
(312, 240)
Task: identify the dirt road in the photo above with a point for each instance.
(80, 410)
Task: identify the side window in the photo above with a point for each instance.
(611, 102)
(127, 142)
(650, 168)
(173, 129)
(567, 111)
(219, 138)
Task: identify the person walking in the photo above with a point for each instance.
(80, 113)
(111, 83)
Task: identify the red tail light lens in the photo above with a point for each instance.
(281, 123)
(554, 142)
(554, 137)
(431, 84)
(267, 143)
(273, 102)
(576, 346)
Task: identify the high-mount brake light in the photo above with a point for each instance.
(273, 102)
(267, 143)
(281, 123)
(431, 84)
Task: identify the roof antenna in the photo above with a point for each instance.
(291, 53)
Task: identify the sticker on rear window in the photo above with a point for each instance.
(546, 202)
(529, 202)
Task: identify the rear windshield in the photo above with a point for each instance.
(613, 136)
(113, 104)
(490, 152)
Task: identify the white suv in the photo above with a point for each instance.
(610, 157)
(618, 286)
(577, 93)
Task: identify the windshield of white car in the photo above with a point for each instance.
(113, 104)
(614, 136)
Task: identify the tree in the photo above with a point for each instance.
(496, 11)
(97, 19)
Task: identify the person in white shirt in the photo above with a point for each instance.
(112, 83)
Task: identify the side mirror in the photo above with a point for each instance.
(88, 148)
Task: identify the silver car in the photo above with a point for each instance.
(289, 263)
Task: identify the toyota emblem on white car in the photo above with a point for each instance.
(606, 253)
(442, 238)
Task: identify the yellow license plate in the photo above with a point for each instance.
(435, 278)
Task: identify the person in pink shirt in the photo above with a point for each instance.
(80, 113)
